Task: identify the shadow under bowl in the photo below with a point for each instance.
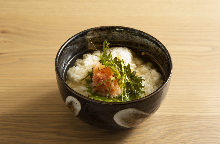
(112, 115)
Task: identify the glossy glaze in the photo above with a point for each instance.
(110, 114)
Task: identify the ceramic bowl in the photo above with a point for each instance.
(113, 115)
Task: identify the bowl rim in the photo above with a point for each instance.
(84, 32)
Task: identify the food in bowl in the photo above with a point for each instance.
(110, 114)
(114, 75)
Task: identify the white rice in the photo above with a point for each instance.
(152, 78)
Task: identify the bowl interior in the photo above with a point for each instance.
(139, 42)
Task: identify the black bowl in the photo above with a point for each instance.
(112, 114)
